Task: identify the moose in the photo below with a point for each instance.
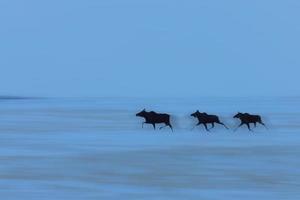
(155, 118)
(247, 118)
(204, 118)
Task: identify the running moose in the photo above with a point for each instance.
(204, 118)
(247, 118)
(155, 118)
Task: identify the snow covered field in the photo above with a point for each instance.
(96, 149)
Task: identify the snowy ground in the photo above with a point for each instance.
(96, 149)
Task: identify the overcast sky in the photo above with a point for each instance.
(149, 48)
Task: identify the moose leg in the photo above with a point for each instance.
(167, 124)
(143, 124)
(254, 124)
(248, 125)
(171, 127)
(223, 124)
(154, 126)
(212, 125)
(241, 124)
(196, 125)
(263, 124)
(205, 125)
(162, 127)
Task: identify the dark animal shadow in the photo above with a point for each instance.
(155, 118)
(205, 119)
(247, 119)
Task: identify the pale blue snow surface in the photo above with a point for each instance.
(96, 149)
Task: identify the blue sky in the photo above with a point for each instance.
(149, 48)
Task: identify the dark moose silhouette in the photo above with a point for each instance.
(204, 118)
(247, 118)
(155, 118)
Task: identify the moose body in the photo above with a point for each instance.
(155, 118)
(204, 118)
(247, 119)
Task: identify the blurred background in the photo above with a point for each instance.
(75, 72)
(157, 48)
